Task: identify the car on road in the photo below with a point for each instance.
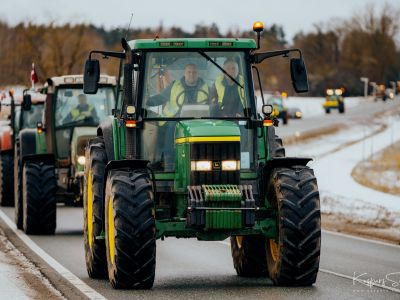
(294, 113)
(334, 100)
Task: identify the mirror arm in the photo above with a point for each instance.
(259, 57)
(107, 54)
(259, 83)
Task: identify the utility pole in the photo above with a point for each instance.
(365, 80)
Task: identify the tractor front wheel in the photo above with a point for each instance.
(93, 207)
(293, 258)
(249, 255)
(6, 179)
(39, 198)
(130, 229)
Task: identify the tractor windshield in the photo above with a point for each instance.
(184, 85)
(32, 117)
(190, 85)
(74, 108)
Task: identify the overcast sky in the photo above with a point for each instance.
(293, 15)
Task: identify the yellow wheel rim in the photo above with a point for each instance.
(239, 241)
(274, 250)
(89, 216)
(110, 230)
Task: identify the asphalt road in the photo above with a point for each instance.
(188, 269)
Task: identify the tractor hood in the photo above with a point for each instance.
(206, 128)
(80, 137)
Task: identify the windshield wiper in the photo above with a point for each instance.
(219, 67)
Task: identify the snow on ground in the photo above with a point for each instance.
(339, 192)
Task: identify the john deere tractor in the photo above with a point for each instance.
(334, 100)
(200, 172)
(50, 159)
(21, 115)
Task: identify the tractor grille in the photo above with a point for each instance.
(215, 152)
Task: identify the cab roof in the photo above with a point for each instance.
(193, 43)
(78, 79)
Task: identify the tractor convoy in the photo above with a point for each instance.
(174, 147)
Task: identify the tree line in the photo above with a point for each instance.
(337, 53)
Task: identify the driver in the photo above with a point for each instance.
(190, 89)
(82, 112)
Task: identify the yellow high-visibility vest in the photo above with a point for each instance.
(77, 115)
(178, 96)
(220, 87)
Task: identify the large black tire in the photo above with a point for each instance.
(6, 179)
(39, 198)
(18, 211)
(130, 229)
(249, 252)
(93, 207)
(341, 109)
(293, 259)
(279, 149)
(327, 110)
(249, 255)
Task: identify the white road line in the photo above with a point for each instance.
(368, 283)
(79, 284)
(360, 238)
(352, 278)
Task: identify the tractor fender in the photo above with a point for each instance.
(27, 142)
(5, 140)
(105, 130)
(286, 162)
(131, 164)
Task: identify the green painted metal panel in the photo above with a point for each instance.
(198, 128)
(115, 139)
(248, 175)
(193, 43)
(219, 193)
(40, 139)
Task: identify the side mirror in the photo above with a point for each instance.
(27, 102)
(91, 76)
(298, 73)
(128, 84)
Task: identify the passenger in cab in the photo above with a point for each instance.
(227, 96)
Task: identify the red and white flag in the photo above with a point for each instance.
(34, 77)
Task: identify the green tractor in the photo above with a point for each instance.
(49, 159)
(200, 173)
(21, 115)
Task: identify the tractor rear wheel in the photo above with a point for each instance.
(18, 212)
(130, 229)
(249, 255)
(293, 258)
(39, 198)
(93, 207)
(6, 179)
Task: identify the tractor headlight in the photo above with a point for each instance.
(201, 165)
(230, 165)
(81, 160)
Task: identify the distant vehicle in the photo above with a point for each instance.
(279, 109)
(380, 93)
(334, 100)
(294, 113)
